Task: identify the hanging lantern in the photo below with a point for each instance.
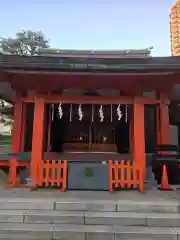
(60, 111)
(119, 112)
(101, 113)
(80, 113)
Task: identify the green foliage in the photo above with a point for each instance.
(25, 43)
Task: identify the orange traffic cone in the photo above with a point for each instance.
(164, 182)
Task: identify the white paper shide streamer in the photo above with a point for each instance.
(70, 114)
(80, 113)
(126, 114)
(60, 111)
(119, 112)
(52, 111)
(101, 113)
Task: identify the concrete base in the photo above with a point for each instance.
(88, 176)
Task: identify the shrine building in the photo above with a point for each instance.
(89, 108)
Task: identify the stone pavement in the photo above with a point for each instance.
(149, 195)
(87, 215)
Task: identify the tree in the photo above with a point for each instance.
(24, 43)
(6, 111)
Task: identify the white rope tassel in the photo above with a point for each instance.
(70, 114)
(52, 111)
(126, 114)
(101, 113)
(111, 113)
(80, 113)
(119, 113)
(92, 113)
(60, 111)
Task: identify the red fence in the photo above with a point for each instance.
(49, 173)
(12, 172)
(13, 178)
(124, 174)
(53, 173)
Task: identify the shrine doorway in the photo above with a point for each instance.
(90, 128)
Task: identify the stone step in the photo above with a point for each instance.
(90, 218)
(133, 219)
(91, 205)
(80, 232)
(120, 206)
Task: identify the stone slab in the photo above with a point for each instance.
(177, 230)
(26, 204)
(11, 216)
(66, 235)
(163, 219)
(26, 231)
(76, 232)
(145, 206)
(67, 232)
(145, 233)
(65, 217)
(115, 218)
(100, 236)
(86, 206)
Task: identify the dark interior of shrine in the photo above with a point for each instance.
(87, 127)
(92, 133)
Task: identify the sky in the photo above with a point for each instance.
(94, 24)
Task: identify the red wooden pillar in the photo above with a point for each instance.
(158, 135)
(38, 132)
(49, 124)
(131, 129)
(162, 120)
(139, 135)
(130, 121)
(18, 136)
(23, 127)
(17, 126)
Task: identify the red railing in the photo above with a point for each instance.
(13, 178)
(49, 172)
(52, 173)
(124, 174)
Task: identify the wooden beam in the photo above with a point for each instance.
(54, 98)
